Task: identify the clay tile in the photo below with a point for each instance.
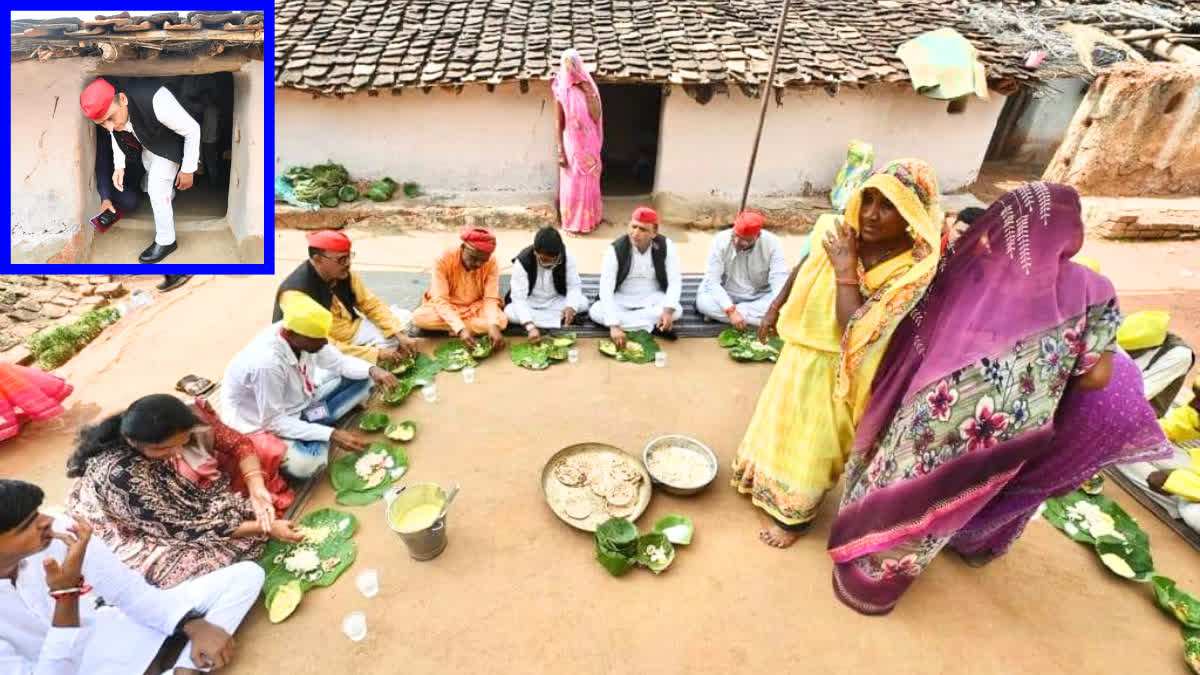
(134, 27)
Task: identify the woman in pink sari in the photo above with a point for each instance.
(580, 135)
(28, 394)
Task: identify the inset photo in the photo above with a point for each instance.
(138, 138)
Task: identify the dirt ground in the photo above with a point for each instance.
(518, 591)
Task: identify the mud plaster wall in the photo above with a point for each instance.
(446, 142)
(49, 142)
(1045, 122)
(703, 149)
(246, 180)
(1135, 134)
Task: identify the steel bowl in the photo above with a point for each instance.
(688, 442)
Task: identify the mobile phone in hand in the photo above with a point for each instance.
(105, 219)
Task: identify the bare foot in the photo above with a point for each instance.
(774, 535)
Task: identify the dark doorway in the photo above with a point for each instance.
(632, 113)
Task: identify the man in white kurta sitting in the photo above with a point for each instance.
(52, 573)
(640, 282)
(746, 271)
(291, 382)
(554, 296)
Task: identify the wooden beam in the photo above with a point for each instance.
(1178, 53)
(161, 35)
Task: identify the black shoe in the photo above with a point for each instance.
(156, 253)
(665, 334)
(172, 281)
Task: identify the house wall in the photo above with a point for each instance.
(49, 184)
(446, 142)
(1044, 123)
(53, 184)
(703, 149)
(247, 216)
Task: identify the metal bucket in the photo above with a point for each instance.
(427, 543)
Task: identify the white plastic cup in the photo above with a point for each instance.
(660, 359)
(355, 626)
(573, 355)
(468, 374)
(429, 392)
(367, 582)
(140, 298)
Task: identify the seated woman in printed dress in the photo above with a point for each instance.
(174, 492)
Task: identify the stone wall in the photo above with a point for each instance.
(1154, 225)
(31, 302)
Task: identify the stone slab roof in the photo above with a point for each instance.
(171, 31)
(343, 47)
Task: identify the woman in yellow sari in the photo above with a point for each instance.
(835, 315)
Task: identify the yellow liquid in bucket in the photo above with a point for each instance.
(415, 518)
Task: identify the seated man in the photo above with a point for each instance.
(640, 282)
(291, 382)
(746, 271)
(555, 296)
(54, 573)
(464, 291)
(362, 325)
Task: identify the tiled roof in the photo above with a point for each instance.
(385, 44)
(122, 35)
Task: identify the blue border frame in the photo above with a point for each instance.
(268, 264)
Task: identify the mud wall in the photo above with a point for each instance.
(1135, 134)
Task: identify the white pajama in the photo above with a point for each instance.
(542, 304)
(160, 171)
(639, 302)
(752, 309)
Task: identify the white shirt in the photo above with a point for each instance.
(640, 288)
(174, 117)
(744, 275)
(266, 387)
(544, 295)
(29, 644)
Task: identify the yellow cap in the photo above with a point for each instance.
(1143, 330)
(303, 315)
(1087, 262)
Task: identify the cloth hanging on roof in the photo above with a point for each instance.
(944, 65)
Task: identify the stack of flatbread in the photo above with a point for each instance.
(600, 485)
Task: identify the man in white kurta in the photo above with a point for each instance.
(41, 636)
(291, 382)
(746, 270)
(542, 303)
(640, 282)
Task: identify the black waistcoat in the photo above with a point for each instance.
(152, 134)
(658, 253)
(306, 280)
(529, 261)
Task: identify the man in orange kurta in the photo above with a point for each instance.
(464, 292)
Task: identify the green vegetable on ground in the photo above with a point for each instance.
(329, 197)
(374, 421)
(347, 193)
(616, 542)
(53, 347)
(382, 190)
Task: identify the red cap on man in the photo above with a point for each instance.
(96, 99)
(329, 240)
(748, 224)
(479, 238)
(645, 214)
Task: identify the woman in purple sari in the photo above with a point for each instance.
(1002, 388)
(580, 136)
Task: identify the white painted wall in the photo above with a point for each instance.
(50, 137)
(446, 142)
(703, 149)
(1045, 122)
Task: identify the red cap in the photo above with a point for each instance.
(480, 238)
(96, 98)
(329, 240)
(645, 214)
(748, 224)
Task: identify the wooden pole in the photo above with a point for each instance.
(765, 93)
